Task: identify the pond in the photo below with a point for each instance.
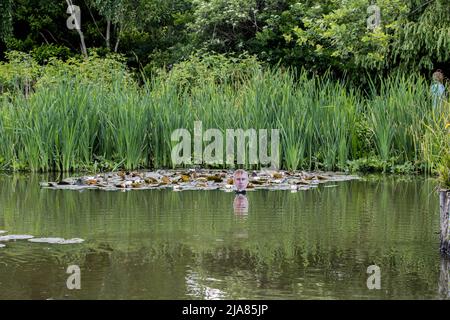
(161, 244)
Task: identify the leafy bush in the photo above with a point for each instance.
(94, 70)
(444, 172)
(212, 68)
(22, 72)
(367, 165)
(19, 73)
(45, 52)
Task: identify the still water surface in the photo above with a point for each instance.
(160, 244)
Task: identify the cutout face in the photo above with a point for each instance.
(240, 179)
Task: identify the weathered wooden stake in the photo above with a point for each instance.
(444, 279)
(444, 203)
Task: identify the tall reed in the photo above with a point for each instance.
(71, 123)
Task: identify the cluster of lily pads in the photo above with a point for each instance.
(197, 179)
(30, 238)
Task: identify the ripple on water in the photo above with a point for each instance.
(16, 237)
(56, 240)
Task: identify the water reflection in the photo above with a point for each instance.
(444, 278)
(240, 205)
(159, 244)
(197, 290)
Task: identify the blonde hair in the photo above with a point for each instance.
(240, 172)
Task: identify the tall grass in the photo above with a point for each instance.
(398, 113)
(70, 124)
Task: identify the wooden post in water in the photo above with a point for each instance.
(444, 278)
(444, 203)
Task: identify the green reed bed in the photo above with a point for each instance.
(73, 124)
(397, 113)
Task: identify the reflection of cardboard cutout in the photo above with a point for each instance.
(240, 179)
(240, 205)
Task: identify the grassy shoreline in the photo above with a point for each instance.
(74, 122)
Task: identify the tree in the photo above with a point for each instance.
(334, 34)
(424, 40)
(5, 19)
(74, 22)
(224, 25)
(117, 12)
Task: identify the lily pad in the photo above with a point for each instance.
(198, 179)
(45, 184)
(214, 178)
(277, 175)
(56, 240)
(166, 180)
(16, 237)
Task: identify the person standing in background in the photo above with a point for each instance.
(438, 89)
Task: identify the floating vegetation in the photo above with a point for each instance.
(16, 237)
(57, 240)
(31, 238)
(3, 231)
(201, 179)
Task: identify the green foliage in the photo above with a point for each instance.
(316, 35)
(374, 164)
(367, 165)
(45, 52)
(56, 127)
(212, 68)
(19, 73)
(5, 19)
(105, 72)
(113, 10)
(396, 114)
(423, 40)
(444, 172)
(22, 71)
(435, 145)
(36, 22)
(83, 110)
(406, 168)
(224, 24)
